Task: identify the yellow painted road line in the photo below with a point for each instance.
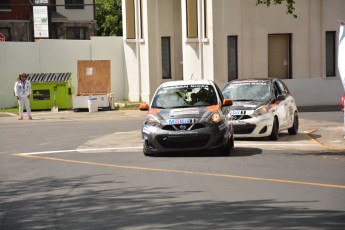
(187, 172)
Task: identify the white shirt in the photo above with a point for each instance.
(22, 89)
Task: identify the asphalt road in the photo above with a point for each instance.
(87, 171)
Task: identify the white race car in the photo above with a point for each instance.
(261, 108)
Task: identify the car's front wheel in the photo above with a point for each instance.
(294, 129)
(226, 150)
(275, 130)
(148, 153)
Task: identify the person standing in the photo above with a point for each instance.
(22, 91)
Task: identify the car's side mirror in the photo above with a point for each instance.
(144, 107)
(227, 102)
(280, 97)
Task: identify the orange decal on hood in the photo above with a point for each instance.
(213, 108)
(154, 111)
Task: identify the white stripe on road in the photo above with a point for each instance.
(140, 147)
(271, 144)
(79, 150)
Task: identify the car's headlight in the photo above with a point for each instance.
(215, 117)
(151, 120)
(261, 110)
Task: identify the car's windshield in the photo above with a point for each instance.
(248, 91)
(185, 96)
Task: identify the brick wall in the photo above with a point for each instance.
(19, 12)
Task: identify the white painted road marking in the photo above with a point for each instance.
(140, 147)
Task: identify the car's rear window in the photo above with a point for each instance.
(182, 96)
(248, 91)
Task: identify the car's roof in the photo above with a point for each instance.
(187, 82)
(253, 80)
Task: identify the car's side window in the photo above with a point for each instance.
(286, 90)
(281, 88)
(276, 90)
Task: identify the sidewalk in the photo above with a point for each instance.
(331, 137)
(328, 134)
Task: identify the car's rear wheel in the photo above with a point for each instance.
(294, 129)
(275, 130)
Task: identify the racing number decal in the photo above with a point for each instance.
(238, 112)
(181, 121)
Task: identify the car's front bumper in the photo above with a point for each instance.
(157, 140)
(255, 126)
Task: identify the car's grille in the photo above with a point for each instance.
(183, 141)
(197, 126)
(240, 117)
(244, 129)
(183, 127)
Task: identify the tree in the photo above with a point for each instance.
(109, 17)
(289, 5)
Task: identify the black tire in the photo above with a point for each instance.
(294, 129)
(148, 154)
(232, 140)
(226, 150)
(275, 130)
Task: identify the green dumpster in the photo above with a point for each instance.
(46, 87)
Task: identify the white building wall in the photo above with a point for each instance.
(191, 49)
(15, 57)
(57, 56)
(150, 48)
(252, 24)
(207, 42)
(111, 48)
(131, 63)
(160, 18)
(169, 25)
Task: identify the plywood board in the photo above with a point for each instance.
(93, 77)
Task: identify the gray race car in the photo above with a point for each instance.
(187, 115)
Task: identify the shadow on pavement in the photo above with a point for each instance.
(86, 203)
(235, 152)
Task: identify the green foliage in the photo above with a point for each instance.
(109, 17)
(289, 5)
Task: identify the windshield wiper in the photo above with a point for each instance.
(182, 106)
(158, 107)
(244, 100)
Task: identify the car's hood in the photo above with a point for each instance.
(178, 113)
(247, 105)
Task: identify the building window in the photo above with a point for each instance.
(205, 20)
(166, 61)
(77, 33)
(192, 18)
(6, 31)
(141, 19)
(130, 19)
(330, 53)
(232, 58)
(5, 4)
(74, 4)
